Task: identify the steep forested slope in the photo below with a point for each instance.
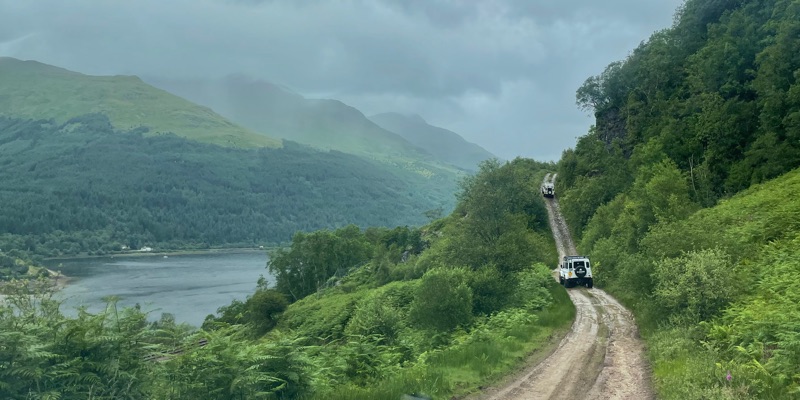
(714, 292)
(718, 94)
(666, 194)
(82, 186)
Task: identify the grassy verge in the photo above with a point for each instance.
(504, 343)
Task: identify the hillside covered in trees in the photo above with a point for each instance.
(665, 193)
(84, 187)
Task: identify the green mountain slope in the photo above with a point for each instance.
(82, 186)
(714, 292)
(718, 94)
(443, 144)
(671, 195)
(29, 89)
(268, 108)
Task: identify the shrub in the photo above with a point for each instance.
(263, 309)
(443, 300)
(491, 290)
(696, 286)
(381, 313)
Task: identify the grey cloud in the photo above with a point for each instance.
(501, 72)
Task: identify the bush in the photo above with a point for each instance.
(381, 312)
(696, 286)
(263, 309)
(491, 290)
(443, 300)
(532, 290)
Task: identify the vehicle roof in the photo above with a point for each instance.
(575, 257)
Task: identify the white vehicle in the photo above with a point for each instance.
(575, 271)
(548, 189)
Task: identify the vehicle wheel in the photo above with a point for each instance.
(561, 281)
(589, 284)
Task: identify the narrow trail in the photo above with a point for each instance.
(601, 357)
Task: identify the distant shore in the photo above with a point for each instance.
(186, 252)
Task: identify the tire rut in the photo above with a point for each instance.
(601, 357)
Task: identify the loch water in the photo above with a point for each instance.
(187, 286)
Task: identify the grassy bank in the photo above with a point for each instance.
(501, 344)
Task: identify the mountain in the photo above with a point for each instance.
(83, 186)
(443, 144)
(29, 89)
(279, 112)
(90, 164)
(684, 193)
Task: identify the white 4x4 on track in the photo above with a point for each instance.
(575, 270)
(548, 189)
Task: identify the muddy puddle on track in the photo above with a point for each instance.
(601, 357)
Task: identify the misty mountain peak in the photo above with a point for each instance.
(417, 118)
(444, 144)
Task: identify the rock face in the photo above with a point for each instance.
(445, 145)
(610, 125)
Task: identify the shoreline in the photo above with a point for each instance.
(187, 252)
(59, 280)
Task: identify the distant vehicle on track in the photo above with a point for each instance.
(548, 189)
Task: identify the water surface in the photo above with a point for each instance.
(187, 286)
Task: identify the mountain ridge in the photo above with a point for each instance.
(32, 89)
(442, 143)
(267, 107)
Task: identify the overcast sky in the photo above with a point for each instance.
(502, 73)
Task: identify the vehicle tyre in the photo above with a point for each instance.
(590, 284)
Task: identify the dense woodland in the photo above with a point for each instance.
(83, 187)
(356, 314)
(690, 120)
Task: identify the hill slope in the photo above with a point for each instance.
(672, 197)
(443, 144)
(82, 186)
(39, 91)
(268, 108)
(718, 94)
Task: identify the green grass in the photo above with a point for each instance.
(684, 369)
(38, 91)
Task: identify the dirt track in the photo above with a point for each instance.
(601, 357)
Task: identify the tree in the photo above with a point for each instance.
(315, 257)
